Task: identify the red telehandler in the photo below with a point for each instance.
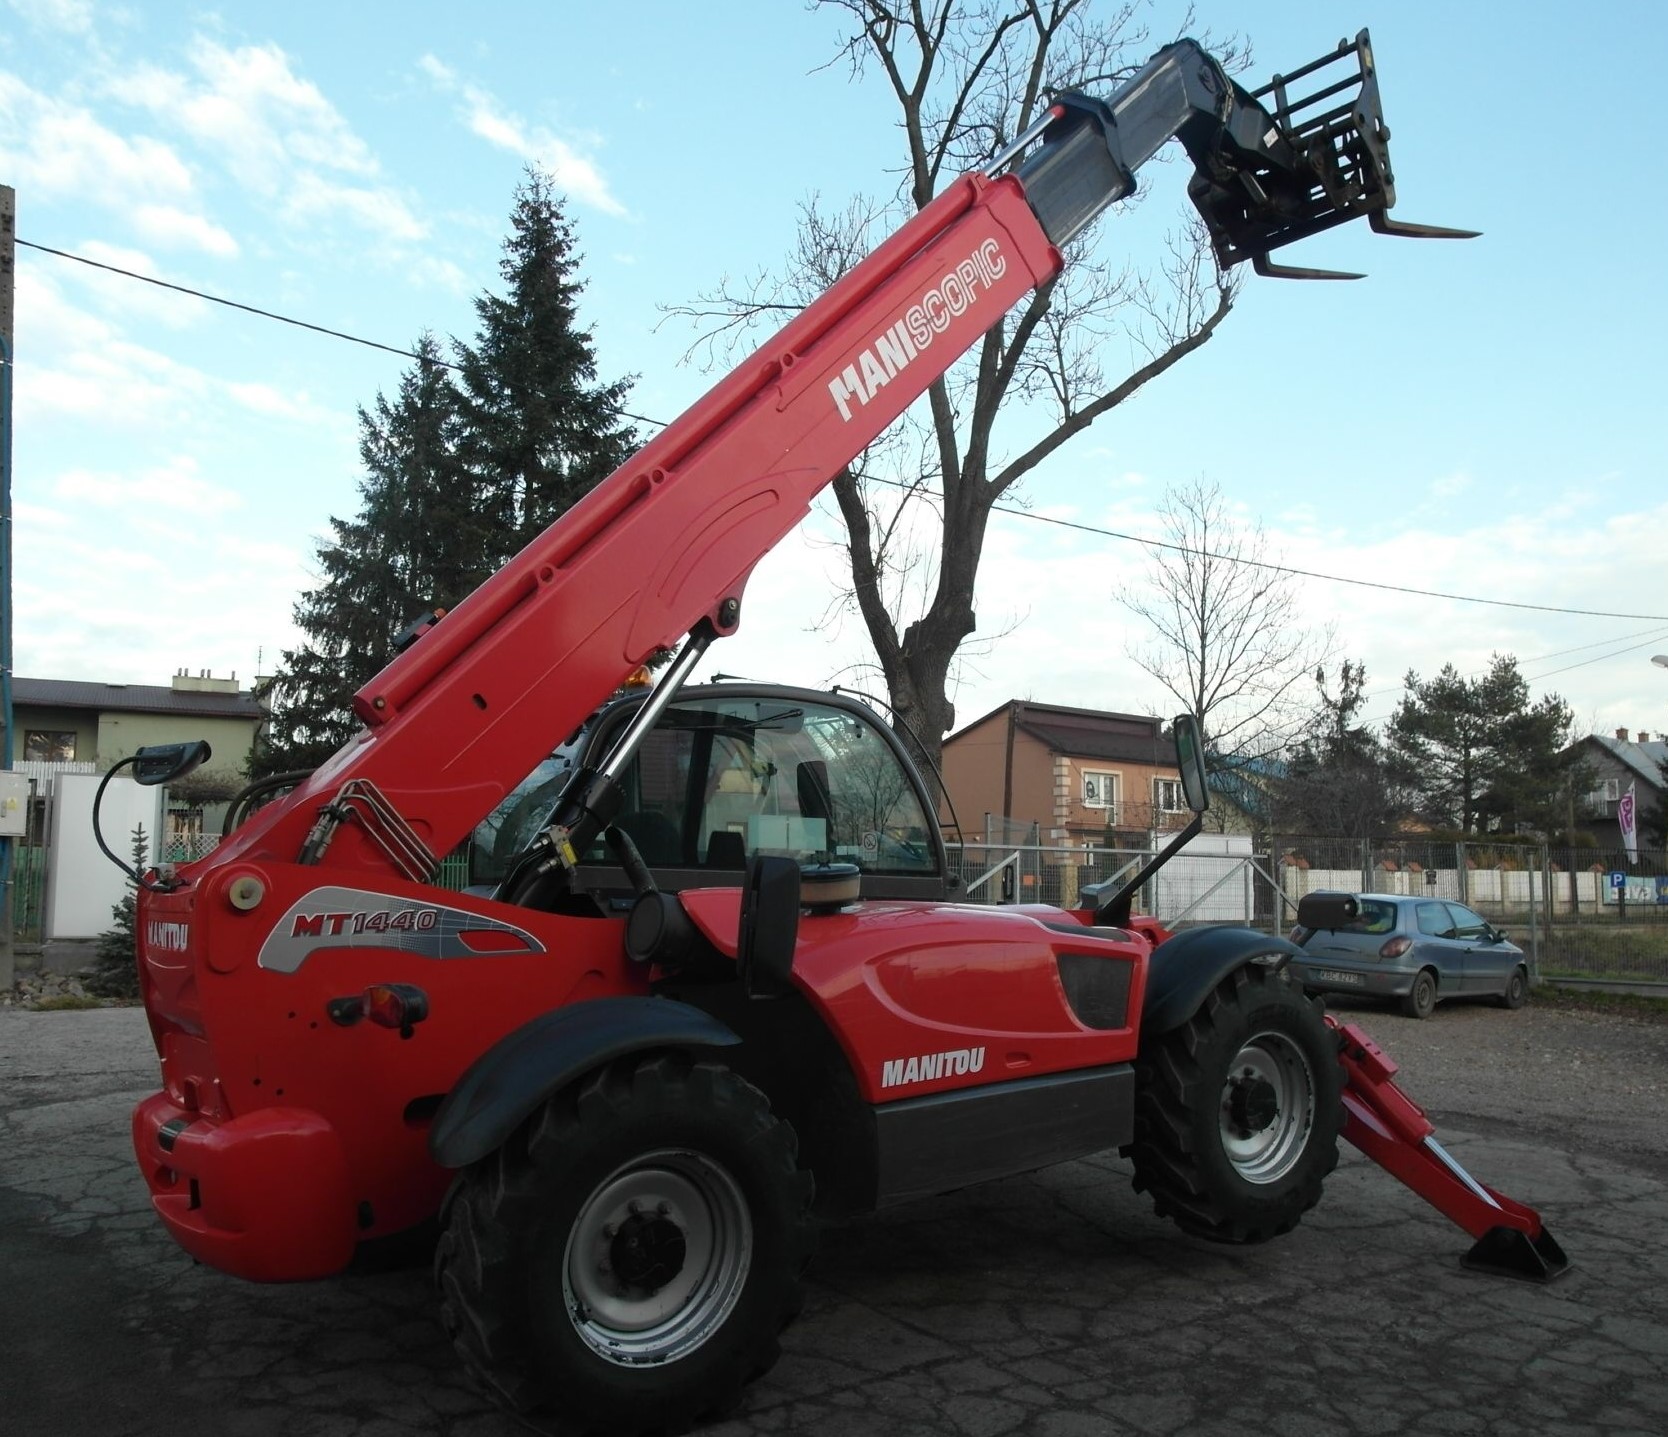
(720, 989)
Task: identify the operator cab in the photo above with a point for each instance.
(730, 771)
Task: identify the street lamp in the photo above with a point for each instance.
(1660, 660)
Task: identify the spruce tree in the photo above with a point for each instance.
(417, 542)
(458, 476)
(540, 431)
(115, 970)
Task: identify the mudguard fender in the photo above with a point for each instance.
(1183, 969)
(519, 1072)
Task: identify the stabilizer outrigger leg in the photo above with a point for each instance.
(1391, 1129)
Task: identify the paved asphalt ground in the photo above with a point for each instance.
(1053, 1305)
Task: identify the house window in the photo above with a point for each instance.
(42, 745)
(1100, 789)
(1608, 791)
(1167, 795)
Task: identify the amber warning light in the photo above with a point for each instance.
(388, 1005)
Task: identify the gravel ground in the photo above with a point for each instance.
(1050, 1305)
(1556, 1067)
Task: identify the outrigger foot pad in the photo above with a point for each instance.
(1507, 1252)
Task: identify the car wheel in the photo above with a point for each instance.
(1517, 989)
(1421, 1001)
(627, 1260)
(1238, 1111)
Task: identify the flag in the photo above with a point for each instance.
(1625, 820)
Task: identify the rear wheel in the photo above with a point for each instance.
(1517, 989)
(1237, 1111)
(1421, 999)
(629, 1258)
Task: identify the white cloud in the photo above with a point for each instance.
(1450, 486)
(120, 296)
(72, 17)
(574, 173)
(275, 134)
(57, 150)
(172, 489)
(179, 229)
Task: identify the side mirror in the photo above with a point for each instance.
(165, 762)
(769, 926)
(1327, 910)
(1190, 762)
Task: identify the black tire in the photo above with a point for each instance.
(1421, 999)
(1517, 989)
(630, 1256)
(1237, 1111)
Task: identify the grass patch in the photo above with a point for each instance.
(65, 1002)
(1629, 1005)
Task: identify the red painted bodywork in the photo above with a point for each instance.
(301, 1137)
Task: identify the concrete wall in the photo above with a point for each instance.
(82, 885)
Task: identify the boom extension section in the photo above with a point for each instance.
(1391, 1129)
(664, 546)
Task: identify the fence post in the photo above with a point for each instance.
(1534, 935)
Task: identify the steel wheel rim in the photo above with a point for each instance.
(657, 1257)
(1270, 1069)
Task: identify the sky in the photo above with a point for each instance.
(1481, 418)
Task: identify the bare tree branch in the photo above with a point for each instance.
(965, 77)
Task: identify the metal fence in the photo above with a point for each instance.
(1581, 913)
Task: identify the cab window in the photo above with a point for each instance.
(721, 779)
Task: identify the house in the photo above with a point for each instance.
(72, 721)
(1612, 765)
(74, 726)
(1063, 777)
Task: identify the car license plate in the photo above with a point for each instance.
(1333, 975)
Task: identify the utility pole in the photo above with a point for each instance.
(8, 278)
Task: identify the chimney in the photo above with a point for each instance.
(1644, 737)
(1621, 733)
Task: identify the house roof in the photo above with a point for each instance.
(132, 698)
(1087, 733)
(1644, 759)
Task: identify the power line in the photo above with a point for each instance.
(231, 303)
(272, 315)
(1310, 573)
(896, 484)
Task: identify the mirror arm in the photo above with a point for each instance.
(1114, 913)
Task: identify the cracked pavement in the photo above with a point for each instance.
(1053, 1305)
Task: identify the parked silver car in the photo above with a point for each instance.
(1420, 950)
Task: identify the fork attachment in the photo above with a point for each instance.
(1391, 1129)
(1325, 160)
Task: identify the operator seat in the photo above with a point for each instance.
(656, 836)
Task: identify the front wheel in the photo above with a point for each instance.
(1238, 1111)
(1517, 989)
(627, 1261)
